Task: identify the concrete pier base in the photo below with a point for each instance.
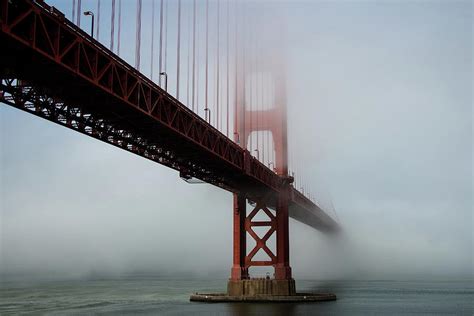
(261, 290)
(253, 287)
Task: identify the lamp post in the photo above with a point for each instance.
(208, 110)
(258, 153)
(91, 14)
(271, 165)
(166, 79)
(237, 137)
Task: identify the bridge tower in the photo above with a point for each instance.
(272, 119)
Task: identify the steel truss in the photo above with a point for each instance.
(31, 99)
(59, 46)
(51, 68)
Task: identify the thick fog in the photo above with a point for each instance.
(380, 127)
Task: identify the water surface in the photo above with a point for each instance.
(165, 296)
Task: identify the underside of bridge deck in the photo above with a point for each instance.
(51, 68)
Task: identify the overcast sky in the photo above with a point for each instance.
(380, 115)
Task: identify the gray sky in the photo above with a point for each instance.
(380, 114)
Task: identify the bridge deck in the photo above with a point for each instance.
(51, 68)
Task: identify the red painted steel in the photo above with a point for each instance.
(246, 122)
(282, 266)
(239, 268)
(82, 61)
(51, 68)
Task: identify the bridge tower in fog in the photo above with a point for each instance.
(270, 119)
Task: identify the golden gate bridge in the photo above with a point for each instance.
(209, 100)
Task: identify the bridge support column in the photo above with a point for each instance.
(239, 269)
(282, 267)
(240, 283)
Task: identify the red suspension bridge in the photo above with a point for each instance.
(220, 74)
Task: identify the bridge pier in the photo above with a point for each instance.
(240, 282)
(244, 224)
(241, 287)
(239, 270)
(282, 267)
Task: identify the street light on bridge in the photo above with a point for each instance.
(237, 137)
(208, 110)
(258, 153)
(166, 79)
(271, 165)
(91, 14)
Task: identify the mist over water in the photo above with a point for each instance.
(380, 123)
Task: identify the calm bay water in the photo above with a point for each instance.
(159, 296)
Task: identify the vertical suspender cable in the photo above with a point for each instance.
(244, 77)
(197, 68)
(152, 38)
(236, 73)
(257, 88)
(227, 72)
(197, 61)
(194, 51)
(267, 120)
(73, 16)
(165, 63)
(258, 92)
(188, 57)
(78, 13)
(119, 25)
(207, 56)
(262, 115)
(217, 69)
(264, 111)
(250, 67)
(112, 26)
(160, 62)
(178, 49)
(97, 33)
(138, 34)
(273, 91)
